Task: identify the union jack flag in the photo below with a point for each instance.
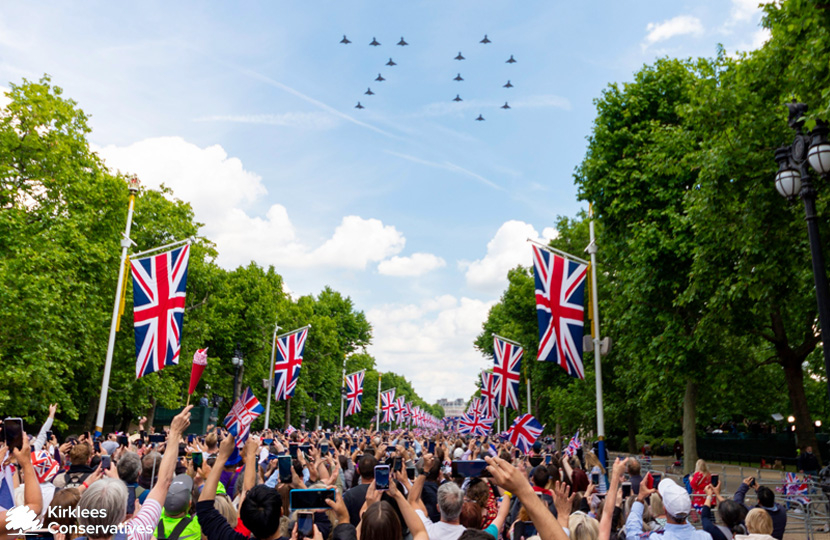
(159, 284)
(410, 412)
(796, 490)
(400, 410)
(475, 424)
(289, 360)
(291, 429)
(526, 429)
(354, 392)
(475, 406)
(508, 361)
(560, 295)
(573, 445)
(488, 394)
(387, 405)
(243, 413)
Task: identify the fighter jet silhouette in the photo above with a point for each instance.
(508, 85)
(457, 98)
(380, 78)
(485, 40)
(359, 106)
(480, 118)
(511, 61)
(402, 43)
(458, 78)
(391, 63)
(369, 92)
(505, 106)
(460, 56)
(345, 40)
(374, 42)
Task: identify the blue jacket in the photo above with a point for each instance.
(778, 513)
(634, 528)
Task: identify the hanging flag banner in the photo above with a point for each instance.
(159, 284)
(475, 424)
(354, 392)
(290, 347)
(243, 413)
(524, 432)
(196, 370)
(560, 298)
(489, 406)
(400, 410)
(387, 404)
(508, 362)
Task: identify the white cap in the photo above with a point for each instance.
(458, 454)
(676, 499)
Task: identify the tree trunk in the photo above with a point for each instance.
(632, 431)
(804, 430)
(559, 437)
(151, 414)
(689, 427)
(287, 413)
(91, 412)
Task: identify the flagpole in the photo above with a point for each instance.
(125, 245)
(377, 419)
(592, 250)
(559, 251)
(271, 375)
(342, 386)
(528, 394)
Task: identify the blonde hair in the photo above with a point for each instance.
(700, 466)
(758, 521)
(656, 505)
(591, 460)
(583, 527)
(225, 507)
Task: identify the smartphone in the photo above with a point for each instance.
(324, 448)
(198, 459)
(123, 440)
(431, 447)
(406, 445)
(97, 447)
(715, 480)
(626, 489)
(534, 461)
(595, 478)
(156, 438)
(267, 442)
(524, 529)
(354, 449)
(284, 466)
(310, 499)
(382, 477)
(548, 459)
(328, 436)
(13, 432)
(292, 450)
(752, 482)
(397, 464)
(410, 473)
(655, 479)
(49, 435)
(190, 438)
(476, 468)
(106, 461)
(305, 524)
(305, 449)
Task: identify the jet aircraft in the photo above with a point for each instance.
(374, 42)
(380, 78)
(402, 43)
(345, 40)
(369, 92)
(508, 85)
(458, 78)
(505, 106)
(485, 40)
(460, 56)
(359, 106)
(480, 118)
(391, 63)
(457, 98)
(511, 60)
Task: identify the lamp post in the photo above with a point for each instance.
(237, 362)
(793, 179)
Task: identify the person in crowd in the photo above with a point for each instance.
(582, 526)
(759, 526)
(450, 501)
(175, 523)
(355, 497)
(766, 501)
(61, 511)
(129, 469)
(594, 466)
(634, 474)
(40, 440)
(429, 494)
(677, 504)
(110, 494)
(731, 514)
(807, 462)
(698, 481)
(80, 458)
(150, 464)
(32, 496)
(212, 444)
(480, 492)
(379, 520)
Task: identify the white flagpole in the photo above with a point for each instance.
(342, 386)
(528, 393)
(559, 251)
(271, 375)
(125, 245)
(377, 420)
(592, 250)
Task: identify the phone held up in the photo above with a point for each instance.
(13, 432)
(382, 477)
(305, 524)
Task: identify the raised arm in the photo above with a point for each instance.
(40, 440)
(249, 479)
(413, 522)
(606, 523)
(171, 453)
(212, 481)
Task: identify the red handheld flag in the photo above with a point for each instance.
(199, 364)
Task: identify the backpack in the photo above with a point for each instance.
(75, 479)
(177, 530)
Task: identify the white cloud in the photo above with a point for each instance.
(416, 265)
(507, 249)
(431, 343)
(677, 26)
(744, 10)
(302, 120)
(220, 190)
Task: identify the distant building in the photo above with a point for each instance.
(456, 407)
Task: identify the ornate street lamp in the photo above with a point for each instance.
(793, 179)
(237, 362)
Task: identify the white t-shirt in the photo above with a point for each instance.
(441, 530)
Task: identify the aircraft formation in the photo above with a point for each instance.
(458, 78)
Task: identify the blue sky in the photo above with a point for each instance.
(409, 206)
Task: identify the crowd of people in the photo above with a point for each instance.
(368, 485)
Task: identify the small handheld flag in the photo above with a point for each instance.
(243, 413)
(524, 432)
